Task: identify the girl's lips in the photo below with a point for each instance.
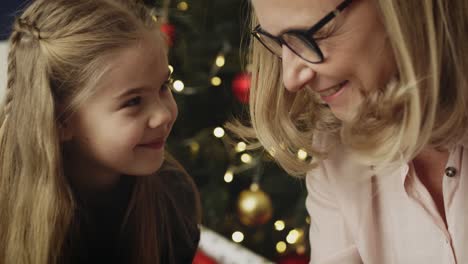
(154, 145)
(330, 94)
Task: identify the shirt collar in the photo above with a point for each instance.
(453, 160)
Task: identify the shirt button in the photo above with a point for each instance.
(450, 171)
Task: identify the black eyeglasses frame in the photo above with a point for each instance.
(304, 35)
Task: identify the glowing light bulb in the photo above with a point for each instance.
(237, 237)
(228, 176)
(216, 81)
(281, 247)
(178, 86)
(182, 6)
(220, 61)
(293, 236)
(219, 132)
(246, 158)
(194, 147)
(241, 146)
(302, 154)
(279, 225)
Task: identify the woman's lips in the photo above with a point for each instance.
(329, 94)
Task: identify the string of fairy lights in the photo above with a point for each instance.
(295, 236)
(214, 80)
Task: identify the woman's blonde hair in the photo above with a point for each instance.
(425, 104)
(58, 50)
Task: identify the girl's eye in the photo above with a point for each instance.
(132, 102)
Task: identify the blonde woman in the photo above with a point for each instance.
(83, 173)
(376, 91)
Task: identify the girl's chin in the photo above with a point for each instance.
(144, 171)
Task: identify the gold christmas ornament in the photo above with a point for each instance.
(254, 207)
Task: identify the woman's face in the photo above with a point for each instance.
(358, 55)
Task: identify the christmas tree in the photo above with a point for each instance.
(246, 197)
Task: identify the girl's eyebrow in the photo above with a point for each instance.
(138, 90)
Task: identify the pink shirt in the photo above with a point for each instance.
(360, 216)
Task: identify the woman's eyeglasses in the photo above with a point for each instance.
(301, 42)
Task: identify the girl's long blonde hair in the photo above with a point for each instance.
(426, 104)
(58, 49)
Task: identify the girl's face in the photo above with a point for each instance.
(123, 127)
(357, 53)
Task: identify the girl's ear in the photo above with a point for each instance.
(65, 131)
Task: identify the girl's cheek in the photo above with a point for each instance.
(131, 134)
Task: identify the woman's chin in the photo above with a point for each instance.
(344, 114)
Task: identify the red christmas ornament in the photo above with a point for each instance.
(201, 258)
(241, 87)
(169, 31)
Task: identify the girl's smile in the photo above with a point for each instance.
(155, 144)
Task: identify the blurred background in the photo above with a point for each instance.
(253, 212)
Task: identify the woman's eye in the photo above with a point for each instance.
(321, 36)
(132, 102)
(324, 33)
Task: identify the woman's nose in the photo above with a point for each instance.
(296, 71)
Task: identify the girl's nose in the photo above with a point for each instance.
(162, 115)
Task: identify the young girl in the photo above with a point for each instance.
(83, 173)
(377, 93)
